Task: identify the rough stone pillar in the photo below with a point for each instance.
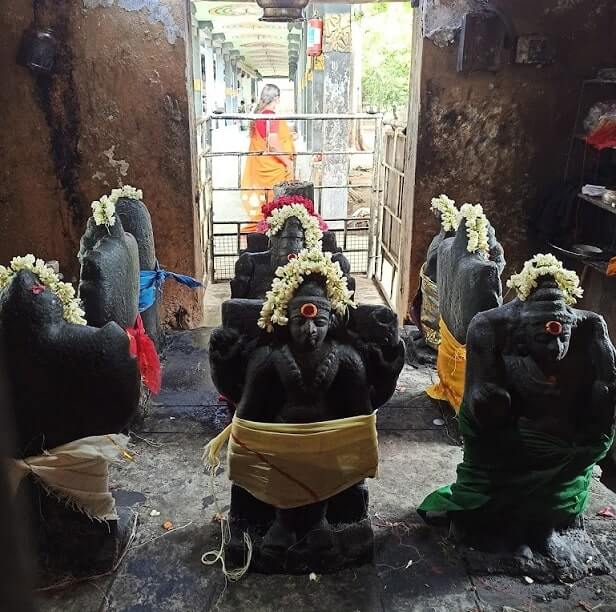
(336, 99)
(219, 82)
(207, 51)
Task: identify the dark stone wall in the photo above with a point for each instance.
(116, 108)
(502, 138)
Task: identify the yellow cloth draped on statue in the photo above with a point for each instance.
(288, 465)
(451, 368)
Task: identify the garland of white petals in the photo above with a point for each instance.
(104, 209)
(312, 232)
(546, 265)
(288, 279)
(476, 228)
(449, 212)
(65, 292)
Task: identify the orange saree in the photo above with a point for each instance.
(262, 172)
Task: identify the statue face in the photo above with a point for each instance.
(308, 324)
(290, 241)
(548, 341)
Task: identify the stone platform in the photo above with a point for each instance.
(416, 567)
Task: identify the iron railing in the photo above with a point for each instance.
(225, 238)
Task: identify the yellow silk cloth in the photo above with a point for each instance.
(77, 473)
(289, 465)
(451, 368)
(262, 172)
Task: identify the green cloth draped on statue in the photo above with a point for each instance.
(518, 472)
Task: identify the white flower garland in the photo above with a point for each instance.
(312, 233)
(126, 192)
(65, 292)
(449, 212)
(290, 277)
(546, 265)
(104, 209)
(476, 228)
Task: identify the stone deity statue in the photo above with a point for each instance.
(469, 268)
(291, 226)
(538, 413)
(109, 277)
(73, 388)
(311, 374)
(136, 221)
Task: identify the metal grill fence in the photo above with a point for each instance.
(225, 238)
(230, 241)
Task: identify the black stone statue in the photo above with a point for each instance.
(468, 283)
(254, 272)
(537, 414)
(137, 222)
(109, 278)
(67, 382)
(316, 368)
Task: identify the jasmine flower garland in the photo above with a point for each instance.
(546, 265)
(449, 213)
(312, 232)
(288, 278)
(476, 228)
(104, 209)
(72, 311)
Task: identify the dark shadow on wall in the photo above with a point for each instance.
(46, 51)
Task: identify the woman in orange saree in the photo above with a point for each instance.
(274, 140)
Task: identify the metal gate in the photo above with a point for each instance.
(389, 214)
(222, 219)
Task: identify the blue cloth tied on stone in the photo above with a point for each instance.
(151, 282)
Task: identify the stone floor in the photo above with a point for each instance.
(415, 569)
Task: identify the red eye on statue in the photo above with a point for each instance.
(554, 328)
(291, 256)
(309, 311)
(37, 289)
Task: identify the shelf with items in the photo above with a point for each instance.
(611, 208)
